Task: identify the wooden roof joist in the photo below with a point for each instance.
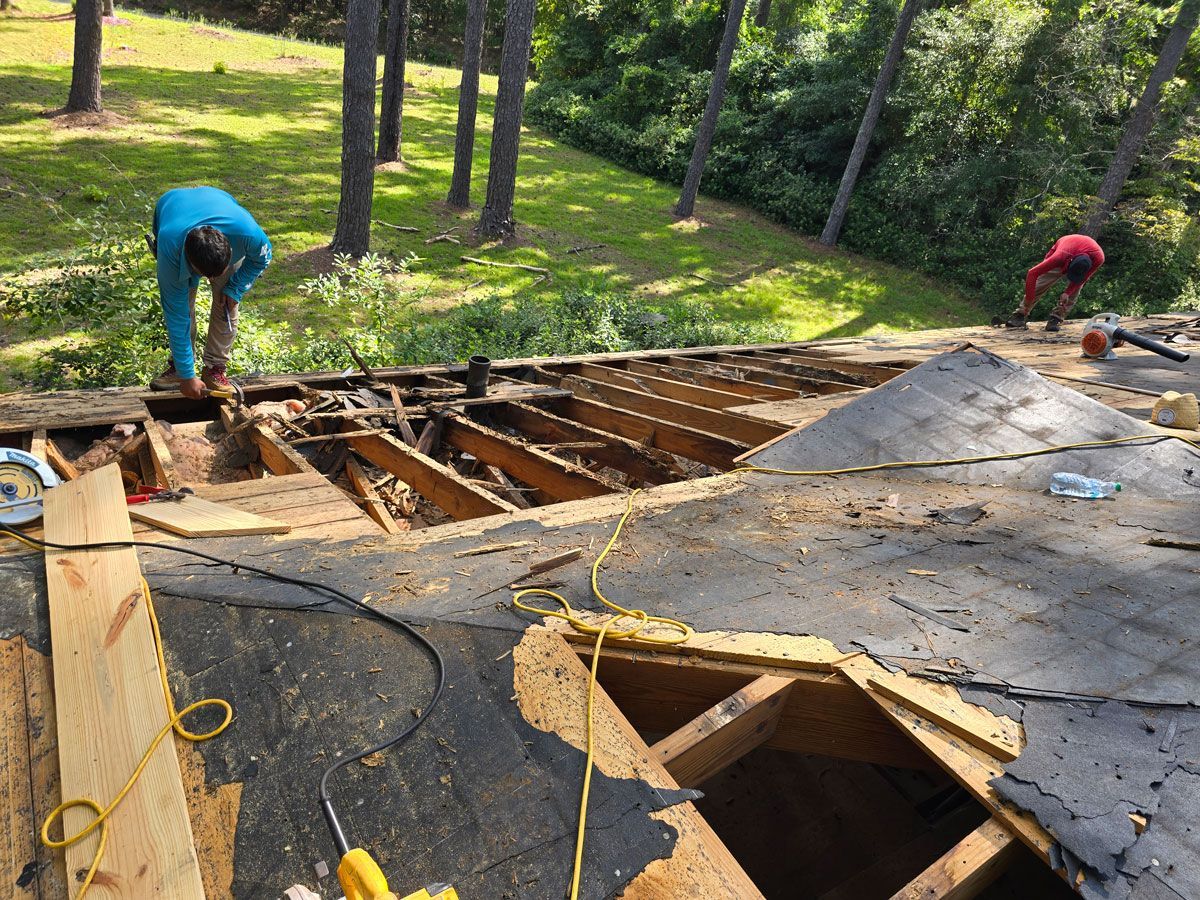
(658, 386)
(690, 443)
(559, 479)
(796, 373)
(750, 389)
(743, 370)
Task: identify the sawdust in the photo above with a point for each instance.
(198, 458)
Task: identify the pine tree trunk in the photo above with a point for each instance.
(1143, 117)
(762, 13)
(391, 112)
(708, 122)
(109, 12)
(85, 70)
(468, 104)
(353, 233)
(497, 217)
(841, 203)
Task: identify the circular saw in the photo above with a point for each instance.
(24, 480)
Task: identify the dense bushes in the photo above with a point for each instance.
(999, 127)
(109, 284)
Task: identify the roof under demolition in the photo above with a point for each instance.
(936, 673)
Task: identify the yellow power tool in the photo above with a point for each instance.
(362, 879)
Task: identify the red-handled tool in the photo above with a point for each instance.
(148, 493)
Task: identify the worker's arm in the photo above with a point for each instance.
(177, 315)
(254, 262)
(1051, 261)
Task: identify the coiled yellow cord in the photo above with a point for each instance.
(640, 620)
(175, 723)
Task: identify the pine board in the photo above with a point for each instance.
(197, 517)
(109, 699)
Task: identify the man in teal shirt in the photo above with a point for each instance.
(202, 231)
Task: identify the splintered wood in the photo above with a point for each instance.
(110, 701)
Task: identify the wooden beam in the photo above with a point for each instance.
(818, 370)
(160, 456)
(406, 431)
(274, 453)
(558, 478)
(659, 386)
(749, 389)
(734, 426)
(967, 868)
(616, 452)
(374, 505)
(722, 735)
(691, 443)
(745, 372)
(759, 366)
(37, 443)
(879, 373)
(59, 463)
(109, 698)
(442, 487)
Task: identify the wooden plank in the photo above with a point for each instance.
(692, 443)
(196, 517)
(69, 409)
(110, 700)
(684, 391)
(64, 467)
(406, 431)
(42, 726)
(880, 373)
(733, 426)
(551, 689)
(17, 828)
(967, 868)
(442, 487)
(37, 443)
(743, 371)
(758, 365)
(160, 456)
(558, 478)
(375, 508)
(274, 453)
(725, 733)
(968, 765)
(818, 370)
(616, 452)
(749, 389)
(942, 704)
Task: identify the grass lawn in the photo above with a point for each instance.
(268, 131)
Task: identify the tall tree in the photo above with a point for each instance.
(1143, 116)
(391, 111)
(497, 217)
(866, 128)
(85, 70)
(468, 104)
(109, 11)
(708, 122)
(353, 232)
(762, 12)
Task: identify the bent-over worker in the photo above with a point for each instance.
(202, 231)
(1076, 256)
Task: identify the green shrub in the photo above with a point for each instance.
(219, 68)
(93, 194)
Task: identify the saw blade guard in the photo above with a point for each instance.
(24, 480)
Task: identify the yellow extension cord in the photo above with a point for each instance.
(642, 618)
(175, 723)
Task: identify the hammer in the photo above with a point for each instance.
(235, 393)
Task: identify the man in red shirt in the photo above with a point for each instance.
(1078, 257)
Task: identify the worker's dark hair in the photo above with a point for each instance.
(1078, 268)
(207, 251)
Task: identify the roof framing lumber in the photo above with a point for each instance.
(558, 478)
(160, 456)
(758, 365)
(274, 453)
(734, 426)
(748, 389)
(441, 486)
(822, 371)
(374, 505)
(634, 459)
(691, 443)
(743, 371)
(722, 735)
(880, 373)
(656, 385)
(967, 868)
(109, 698)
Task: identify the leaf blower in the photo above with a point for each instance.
(1102, 334)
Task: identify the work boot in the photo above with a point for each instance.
(168, 380)
(1054, 323)
(1016, 320)
(215, 379)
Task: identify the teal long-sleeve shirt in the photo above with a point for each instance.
(177, 212)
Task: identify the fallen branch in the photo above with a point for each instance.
(438, 238)
(396, 227)
(586, 247)
(504, 265)
(712, 280)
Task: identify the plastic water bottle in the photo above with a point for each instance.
(1068, 484)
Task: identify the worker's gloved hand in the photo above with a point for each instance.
(192, 388)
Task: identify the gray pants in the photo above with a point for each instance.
(222, 321)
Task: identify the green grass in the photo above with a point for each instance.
(268, 131)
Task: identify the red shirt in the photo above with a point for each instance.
(1064, 250)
